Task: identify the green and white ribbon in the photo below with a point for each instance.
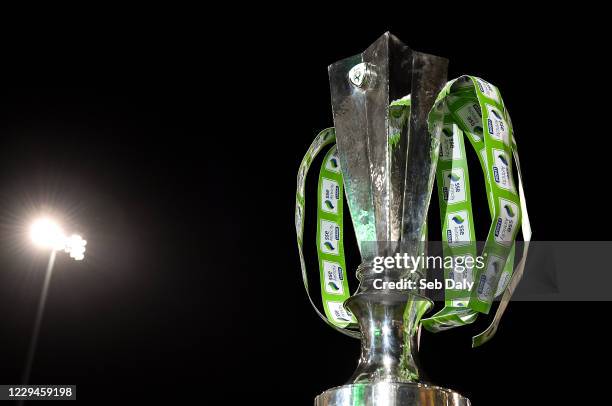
(330, 233)
(473, 108)
(330, 248)
(467, 107)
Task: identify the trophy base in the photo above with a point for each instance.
(390, 394)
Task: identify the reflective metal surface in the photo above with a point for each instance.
(428, 77)
(389, 323)
(388, 174)
(390, 394)
(388, 184)
(348, 106)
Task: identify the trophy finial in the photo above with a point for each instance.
(372, 154)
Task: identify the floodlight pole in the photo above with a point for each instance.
(39, 316)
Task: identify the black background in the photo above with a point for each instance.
(175, 151)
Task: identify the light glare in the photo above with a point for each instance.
(47, 234)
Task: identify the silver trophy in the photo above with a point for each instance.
(388, 181)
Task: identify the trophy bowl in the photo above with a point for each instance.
(392, 394)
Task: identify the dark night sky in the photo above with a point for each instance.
(174, 151)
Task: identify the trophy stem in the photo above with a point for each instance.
(389, 323)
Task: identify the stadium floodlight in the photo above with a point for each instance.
(47, 234)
